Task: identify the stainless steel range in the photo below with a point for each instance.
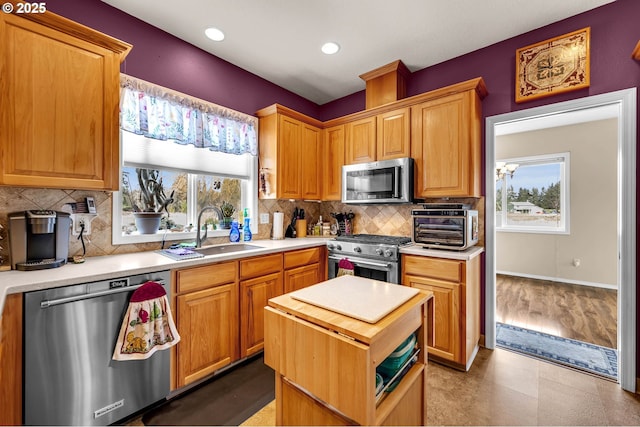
(374, 256)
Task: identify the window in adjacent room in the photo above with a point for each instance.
(532, 194)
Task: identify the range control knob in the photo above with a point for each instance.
(388, 253)
(357, 249)
(379, 251)
(330, 246)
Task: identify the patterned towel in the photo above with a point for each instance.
(345, 268)
(147, 326)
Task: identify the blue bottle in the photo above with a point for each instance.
(246, 229)
(234, 234)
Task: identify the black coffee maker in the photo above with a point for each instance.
(39, 239)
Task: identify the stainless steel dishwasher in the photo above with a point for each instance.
(69, 338)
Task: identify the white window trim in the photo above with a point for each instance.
(249, 191)
(564, 195)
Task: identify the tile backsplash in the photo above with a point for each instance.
(369, 219)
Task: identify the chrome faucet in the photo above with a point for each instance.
(199, 239)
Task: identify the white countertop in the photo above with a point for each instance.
(466, 255)
(114, 266)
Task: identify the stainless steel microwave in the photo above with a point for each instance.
(386, 181)
(445, 228)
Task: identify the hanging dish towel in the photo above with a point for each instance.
(345, 268)
(147, 325)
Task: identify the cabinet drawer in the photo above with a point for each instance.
(302, 257)
(259, 266)
(206, 276)
(438, 268)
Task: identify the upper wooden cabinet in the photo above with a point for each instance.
(380, 137)
(333, 160)
(446, 140)
(59, 102)
(290, 154)
(393, 134)
(360, 145)
(439, 129)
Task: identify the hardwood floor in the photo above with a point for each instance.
(579, 312)
(506, 388)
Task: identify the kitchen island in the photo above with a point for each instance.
(326, 362)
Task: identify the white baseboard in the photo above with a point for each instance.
(560, 280)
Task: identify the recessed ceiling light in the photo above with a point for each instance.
(214, 34)
(330, 48)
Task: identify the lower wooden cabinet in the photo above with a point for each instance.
(456, 289)
(261, 280)
(11, 361)
(304, 267)
(219, 307)
(207, 320)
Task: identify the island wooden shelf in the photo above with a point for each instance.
(325, 363)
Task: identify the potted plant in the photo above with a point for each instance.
(227, 214)
(153, 201)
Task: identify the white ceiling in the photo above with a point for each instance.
(280, 40)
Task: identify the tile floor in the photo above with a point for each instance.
(505, 388)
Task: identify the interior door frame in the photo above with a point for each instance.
(625, 101)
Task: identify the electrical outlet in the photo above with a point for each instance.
(264, 218)
(77, 220)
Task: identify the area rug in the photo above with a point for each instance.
(580, 355)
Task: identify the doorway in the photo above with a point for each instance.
(622, 106)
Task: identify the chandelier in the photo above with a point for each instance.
(503, 168)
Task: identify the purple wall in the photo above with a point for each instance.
(614, 34)
(163, 59)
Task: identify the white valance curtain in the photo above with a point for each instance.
(160, 113)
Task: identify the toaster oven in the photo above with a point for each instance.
(445, 227)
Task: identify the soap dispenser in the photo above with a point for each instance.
(234, 234)
(246, 227)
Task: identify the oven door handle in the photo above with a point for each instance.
(363, 263)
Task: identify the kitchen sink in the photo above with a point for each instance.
(223, 249)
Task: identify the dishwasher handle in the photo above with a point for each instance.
(59, 301)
